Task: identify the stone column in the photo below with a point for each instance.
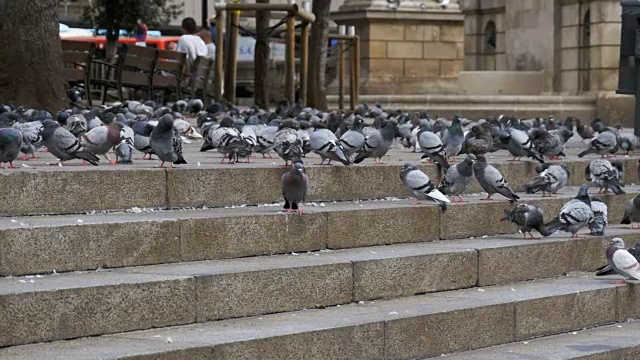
(408, 47)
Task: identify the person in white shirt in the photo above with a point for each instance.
(190, 43)
(205, 34)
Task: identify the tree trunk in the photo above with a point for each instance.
(30, 70)
(317, 93)
(261, 57)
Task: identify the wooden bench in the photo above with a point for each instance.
(76, 59)
(134, 68)
(168, 72)
(201, 77)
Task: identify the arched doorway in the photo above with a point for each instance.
(585, 52)
(489, 45)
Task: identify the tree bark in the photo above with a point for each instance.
(317, 93)
(31, 66)
(261, 57)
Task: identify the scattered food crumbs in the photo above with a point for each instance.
(393, 313)
(481, 290)
(169, 340)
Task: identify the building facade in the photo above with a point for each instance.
(573, 44)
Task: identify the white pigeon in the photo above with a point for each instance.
(622, 261)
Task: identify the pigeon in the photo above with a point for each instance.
(77, 124)
(141, 133)
(266, 138)
(632, 213)
(166, 143)
(605, 175)
(249, 142)
(478, 141)
(31, 139)
(63, 144)
(602, 143)
(101, 139)
(226, 138)
(194, 106)
(377, 142)
(353, 139)
(421, 187)
(10, 145)
(294, 187)
(124, 149)
(519, 144)
(550, 179)
(491, 180)
(548, 143)
(621, 261)
(574, 215)
(453, 138)
(628, 143)
(608, 270)
(527, 217)
(325, 143)
(287, 144)
(185, 129)
(600, 216)
(303, 135)
(585, 131)
(457, 178)
(432, 146)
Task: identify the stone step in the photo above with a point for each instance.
(42, 244)
(404, 328)
(62, 306)
(612, 342)
(482, 106)
(81, 189)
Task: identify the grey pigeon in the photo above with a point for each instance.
(294, 187)
(77, 124)
(457, 178)
(101, 139)
(141, 133)
(527, 217)
(249, 142)
(548, 143)
(453, 138)
(226, 138)
(632, 212)
(608, 270)
(377, 142)
(519, 144)
(124, 149)
(432, 146)
(287, 144)
(304, 135)
(266, 137)
(63, 144)
(10, 145)
(325, 143)
(166, 143)
(31, 139)
(574, 215)
(353, 139)
(602, 143)
(605, 175)
(550, 179)
(600, 216)
(628, 143)
(194, 106)
(491, 180)
(421, 187)
(621, 261)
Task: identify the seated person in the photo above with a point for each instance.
(211, 47)
(190, 43)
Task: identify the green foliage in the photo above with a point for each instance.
(116, 15)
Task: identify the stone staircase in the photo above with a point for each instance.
(216, 271)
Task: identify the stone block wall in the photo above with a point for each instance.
(589, 46)
(478, 55)
(393, 49)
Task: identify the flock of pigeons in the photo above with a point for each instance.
(292, 131)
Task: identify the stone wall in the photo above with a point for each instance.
(479, 55)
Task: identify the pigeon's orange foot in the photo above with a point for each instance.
(635, 227)
(415, 202)
(300, 212)
(576, 236)
(25, 158)
(113, 162)
(488, 198)
(620, 282)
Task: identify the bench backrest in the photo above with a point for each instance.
(169, 68)
(137, 64)
(202, 72)
(76, 59)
